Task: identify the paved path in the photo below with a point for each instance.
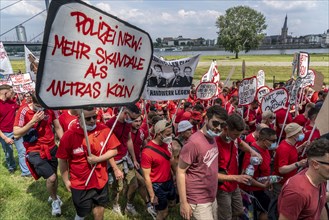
(259, 63)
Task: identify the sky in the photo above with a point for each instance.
(190, 19)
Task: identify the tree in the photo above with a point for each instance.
(241, 29)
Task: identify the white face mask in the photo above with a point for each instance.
(90, 127)
(212, 134)
(167, 140)
(128, 120)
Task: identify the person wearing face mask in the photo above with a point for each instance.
(266, 141)
(198, 163)
(42, 150)
(76, 165)
(252, 137)
(228, 195)
(124, 162)
(155, 163)
(268, 118)
(8, 108)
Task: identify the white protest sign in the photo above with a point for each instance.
(308, 80)
(294, 92)
(20, 79)
(5, 65)
(170, 80)
(275, 100)
(90, 57)
(289, 85)
(206, 90)
(303, 63)
(31, 63)
(261, 92)
(247, 90)
(260, 78)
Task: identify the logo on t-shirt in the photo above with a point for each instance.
(78, 150)
(210, 156)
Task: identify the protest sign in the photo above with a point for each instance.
(308, 80)
(260, 78)
(275, 100)
(247, 90)
(206, 90)
(318, 81)
(294, 92)
(31, 63)
(170, 80)
(261, 92)
(303, 63)
(20, 79)
(90, 57)
(289, 85)
(5, 65)
(322, 119)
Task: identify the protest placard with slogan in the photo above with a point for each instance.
(308, 80)
(261, 92)
(260, 78)
(275, 100)
(206, 90)
(31, 63)
(303, 63)
(247, 90)
(90, 57)
(20, 79)
(170, 80)
(295, 89)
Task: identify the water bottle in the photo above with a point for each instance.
(272, 179)
(250, 170)
(255, 161)
(111, 179)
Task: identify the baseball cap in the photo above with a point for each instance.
(184, 125)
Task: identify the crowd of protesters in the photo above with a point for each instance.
(215, 161)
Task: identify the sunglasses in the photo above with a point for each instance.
(322, 162)
(215, 124)
(91, 117)
(272, 141)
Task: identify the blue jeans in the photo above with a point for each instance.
(9, 153)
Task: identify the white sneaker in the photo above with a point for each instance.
(58, 198)
(130, 210)
(117, 210)
(56, 208)
(150, 209)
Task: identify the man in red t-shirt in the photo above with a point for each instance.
(155, 163)
(198, 163)
(228, 195)
(303, 196)
(250, 115)
(253, 137)
(301, 119)
(125, 161)
(32, 120)
(8, 108)
(66, 118)
(76, 165)
(266, 141)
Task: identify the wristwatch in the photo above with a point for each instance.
(296, 164)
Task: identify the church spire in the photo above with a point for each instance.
(284, 31)
(285, 26)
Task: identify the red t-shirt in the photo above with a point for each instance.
(121, 131)
(179, 115)
(251, 117)
(74, 149)
(201, 154)
(228, 160)
(46, 137)
(65, 119)
(260, 170)
(299, 199)
(250, 139)
(160, 167)
(286, 154)
(300, 119)
(138, 140)
(7, 115)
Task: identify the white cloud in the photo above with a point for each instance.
(24, 8)
(104, 7)
(291, 5)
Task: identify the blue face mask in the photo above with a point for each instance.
(273, 146)
(212, 134)
(300, 137)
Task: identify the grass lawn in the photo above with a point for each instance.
(25, 199)
(281, 73)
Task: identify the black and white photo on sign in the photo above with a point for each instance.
(169, 80)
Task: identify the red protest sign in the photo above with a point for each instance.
(303, 64)
(247, 90)
(275, 100)
(90, 57)
(206, 90)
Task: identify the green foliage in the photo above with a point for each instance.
(240, 29)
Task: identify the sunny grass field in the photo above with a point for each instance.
(280, 73)
(26, 199)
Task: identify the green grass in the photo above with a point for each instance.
(25, 199)
(281, 73)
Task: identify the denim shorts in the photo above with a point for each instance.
(164, 191)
